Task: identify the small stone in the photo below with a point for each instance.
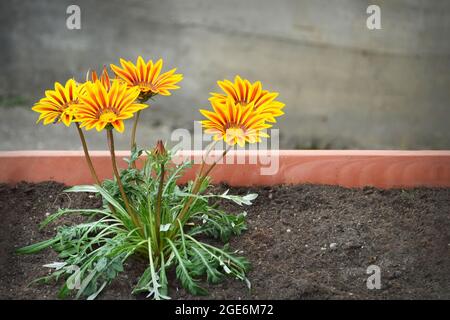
(323, 248)
(288, 230)
(270, 195)
(333, 246)
(47, 214)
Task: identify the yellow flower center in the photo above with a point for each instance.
(108, 116)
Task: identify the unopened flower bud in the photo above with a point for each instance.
(159, 150)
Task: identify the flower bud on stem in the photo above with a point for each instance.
(160, 155)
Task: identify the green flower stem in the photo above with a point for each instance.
(89, 161)
(214, 164)
(158, 202)
(202, 167)
(198, 182)
(86, 154)
(142, 99)
(130, 211)
(133, 134)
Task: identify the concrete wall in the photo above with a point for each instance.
(344, 86)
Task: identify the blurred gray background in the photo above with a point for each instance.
(344, 86)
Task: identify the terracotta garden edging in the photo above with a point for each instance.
(347, 168)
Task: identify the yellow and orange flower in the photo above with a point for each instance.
(243, 92)
(235, 122)
(100, 107)
(147, 77)
(104, 78)
(59, 104)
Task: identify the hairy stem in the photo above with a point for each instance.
(158, 202)
(198, 182)
(202, 167)
(86, 154)
(133, 135)
(130, 211)
(89, 161)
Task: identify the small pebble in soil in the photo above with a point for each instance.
(288, 230)
(333, 246)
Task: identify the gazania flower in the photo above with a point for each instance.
(235, 122)
(104, 78)
(147, 77)
(59, 104)
(243, 92)
(100, 107)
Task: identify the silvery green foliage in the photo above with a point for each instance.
(91, 254)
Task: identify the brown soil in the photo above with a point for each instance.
(404, 232)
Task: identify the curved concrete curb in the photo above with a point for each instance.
(348, 168)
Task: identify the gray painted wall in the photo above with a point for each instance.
(344, 85)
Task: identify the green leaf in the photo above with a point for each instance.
(183, 275)
(55, 265)
(213, 275)
(101, 264)
(143, 282)
(63, 292)
(61, 212)
(33, 248)
(83, 188)
(123, 213)
(240, 200)
(218, 224)
(164, 227)
(163, 278)
(95, 294)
